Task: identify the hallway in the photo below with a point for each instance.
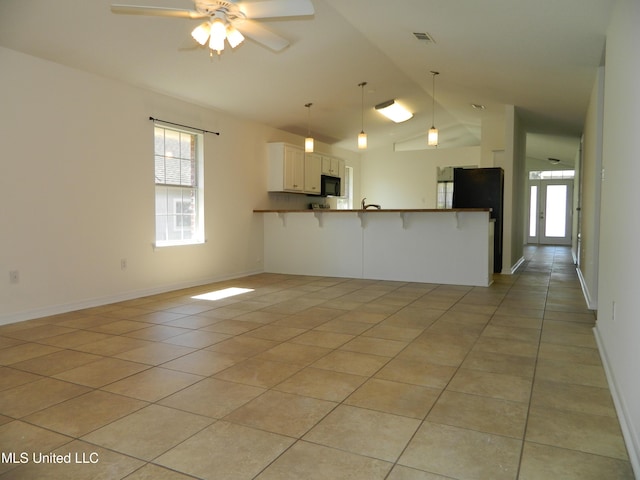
(317, 378)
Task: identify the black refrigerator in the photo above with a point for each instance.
(482, 188)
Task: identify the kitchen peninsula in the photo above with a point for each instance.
(453, 246)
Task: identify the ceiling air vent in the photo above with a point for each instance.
(424, 37)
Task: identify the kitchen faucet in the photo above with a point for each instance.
(371, 205)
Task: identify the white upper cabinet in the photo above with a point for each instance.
(293, 170)
(331, 166)
(286, 168)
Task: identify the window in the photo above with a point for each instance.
(551, 174)
(445, 184)
(445, 195)
(178, 174)
(346, 202)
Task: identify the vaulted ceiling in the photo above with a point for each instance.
(539, 55)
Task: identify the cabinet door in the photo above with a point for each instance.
(312, 173)
(330, 166)
(293, 169)
(335, 167)
(342, 175)
(326, 165)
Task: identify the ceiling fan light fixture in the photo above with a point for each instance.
(201, 33)
(394, 111)
(228, 12)
(234, 37)
(218, 35)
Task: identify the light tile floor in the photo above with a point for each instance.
(317, 378)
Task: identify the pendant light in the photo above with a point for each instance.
(362, 137)
(308, 142)
(432, 136)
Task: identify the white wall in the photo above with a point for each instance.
(619, 265)
(518, 197)
(590, 176)
(504, 145)
(408, 179)
(77, 191)
(493, 134)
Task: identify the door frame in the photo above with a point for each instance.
(540, 238)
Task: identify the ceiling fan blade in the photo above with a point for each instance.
(156, 11)
(277, 8)
(260, 34)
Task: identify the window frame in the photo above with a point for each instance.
(196, 190)
(444, 195)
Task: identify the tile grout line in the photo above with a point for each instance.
(533, 378)
(457, 369)
(369, 377)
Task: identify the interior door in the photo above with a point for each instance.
(550, 210)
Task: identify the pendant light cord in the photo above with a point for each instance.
(308, 105)
(361, 85)
(433, 98)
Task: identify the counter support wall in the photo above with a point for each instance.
(446, 247)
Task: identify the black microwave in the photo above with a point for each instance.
(329, 186)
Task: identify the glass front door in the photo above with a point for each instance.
(550, 209)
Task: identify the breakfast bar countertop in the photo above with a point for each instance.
(400, 210)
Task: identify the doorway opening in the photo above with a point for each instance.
(550, 211)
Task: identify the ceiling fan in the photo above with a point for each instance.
(230, 20)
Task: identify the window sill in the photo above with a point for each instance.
(157, 245)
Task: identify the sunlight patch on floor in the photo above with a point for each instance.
(224, 293)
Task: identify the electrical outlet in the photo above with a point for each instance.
(14, 276)
(123, 264)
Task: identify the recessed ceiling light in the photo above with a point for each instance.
(477, 106)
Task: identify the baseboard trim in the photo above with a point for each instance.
(120, 297)
(516, 266)
(628, 432)
(591, 303)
